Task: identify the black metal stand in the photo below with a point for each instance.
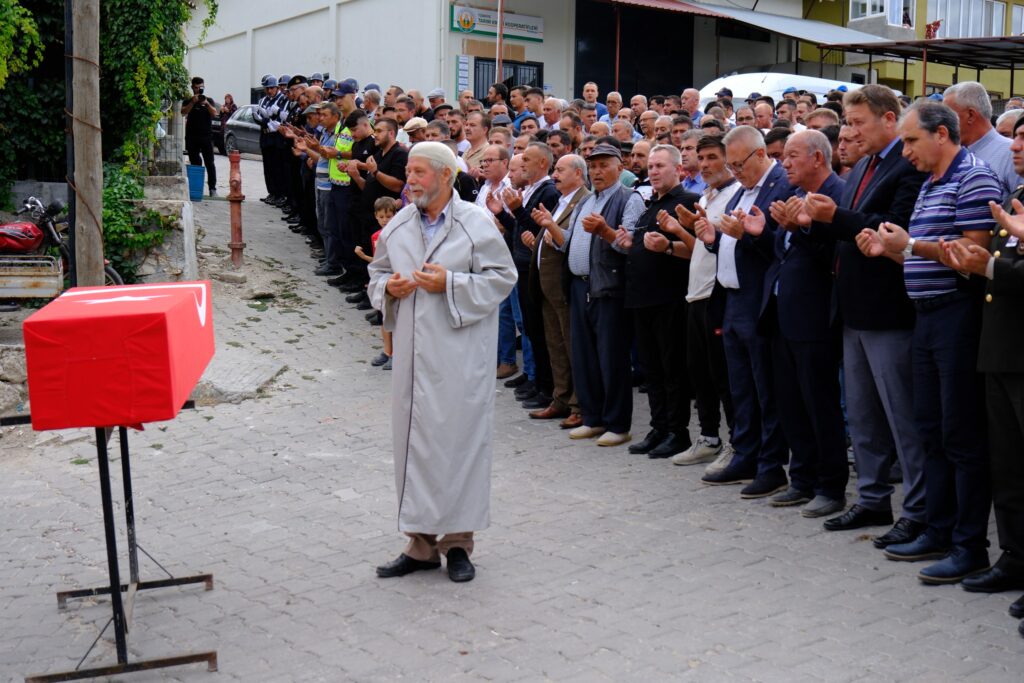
(122, 608)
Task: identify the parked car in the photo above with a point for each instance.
(242, 132)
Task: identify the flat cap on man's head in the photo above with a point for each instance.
(435, 94)
(501, 120)
(605, 150)
(415, 123)
(313, 108)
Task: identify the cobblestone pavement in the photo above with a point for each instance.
(599, 566)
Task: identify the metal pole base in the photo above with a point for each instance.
(64, 596)
(142, 665)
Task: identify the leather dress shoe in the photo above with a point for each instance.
(764, 485)
(549, 413)
(1017, 610)
(958, 565)
(925, 547)
(526, 390)
(460, 569)
(516, 381)
(672, 443)
(858, 516)
(364, 305)
(649, 442)
(904, 531)
(356, 297)
(729, 475)
(404, 565)
(327, 271)
(572, 422)
(995, 580)
(537, 402)
(339, 280)
(353, 286)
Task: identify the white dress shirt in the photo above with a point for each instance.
(727, 273)
(703, 263)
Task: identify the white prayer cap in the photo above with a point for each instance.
(435, 151)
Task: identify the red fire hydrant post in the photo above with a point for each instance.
(236, 197)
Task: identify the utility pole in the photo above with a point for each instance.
(87, 133)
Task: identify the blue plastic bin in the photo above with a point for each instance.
(196, 182)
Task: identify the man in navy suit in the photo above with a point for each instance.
(796, 315)
(878, 319)
(743, 260)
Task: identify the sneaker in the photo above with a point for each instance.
(728, 475)
(613, 439)
(213, 192)
(380, 360)
(822, 506)
(702, 450)
(585, 432)
(958, 564)
(721, 462)
(789, 498)
(764, 486)
(924, 547)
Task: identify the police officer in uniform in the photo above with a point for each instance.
(263, 114)
(292, 163)
(283, 146)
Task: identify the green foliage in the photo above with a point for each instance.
(127, 233)
(20, 46)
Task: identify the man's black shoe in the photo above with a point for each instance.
(1020, 628)
(353, 286)
(904, 531)
(995, 580)
(377, 321)
(764, 485)
(356, 298)
(338, 281)
(1017, 609)
(516, 381)
(537, 402)
(649, 443)
(858, 516)
(525, 390)
(364, 305)
(405, 565)
(295, 227)
(460, 569)
(327, 271)
(371, 316)
(672, 443)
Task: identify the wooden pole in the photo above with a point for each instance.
(69, 124)
(88, 144)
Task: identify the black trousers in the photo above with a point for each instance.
(533, 326)
(709, 376)
(807, 393)
(273, 169)
(202, 147)
(307, 210)
(266, 154)
(660, 335)
(1005, 403)
(293, 169)
(599, 331)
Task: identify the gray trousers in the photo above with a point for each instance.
(879, 401)
(323, 198)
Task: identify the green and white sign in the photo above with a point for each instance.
(484, 22)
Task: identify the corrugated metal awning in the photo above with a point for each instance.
(670, 6)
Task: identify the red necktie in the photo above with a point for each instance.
(866, 179)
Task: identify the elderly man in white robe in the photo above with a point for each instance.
(440, 272)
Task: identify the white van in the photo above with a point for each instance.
(770, 84)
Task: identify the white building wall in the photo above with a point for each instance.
(405, 42)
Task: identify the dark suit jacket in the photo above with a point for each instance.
(802, 309)
(546, 281)
(869, 292)
(520, 221)
(1002, 326)
(754, 254)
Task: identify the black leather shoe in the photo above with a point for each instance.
(1020, 628)
(327, 271)
(516, 381)
(356, 298)
(995, 580)
(405, 565)
(460, 569)
(352, 286)
(764, 485)
(672, 443)
(364, 305)
(537, 402)
(858, 516)
(525, 390)
(904, 531)
(339, 280)
(650, 442)
(1017, 609)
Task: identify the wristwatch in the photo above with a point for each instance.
(908, 250)
(669, 250)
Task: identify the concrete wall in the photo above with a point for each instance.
(406, 42)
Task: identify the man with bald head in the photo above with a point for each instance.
(647, 120)
(552, 112)
(691, 103)
(796, 313)
(545, 286)
(763, 114)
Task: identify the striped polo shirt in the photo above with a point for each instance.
(947, 208)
